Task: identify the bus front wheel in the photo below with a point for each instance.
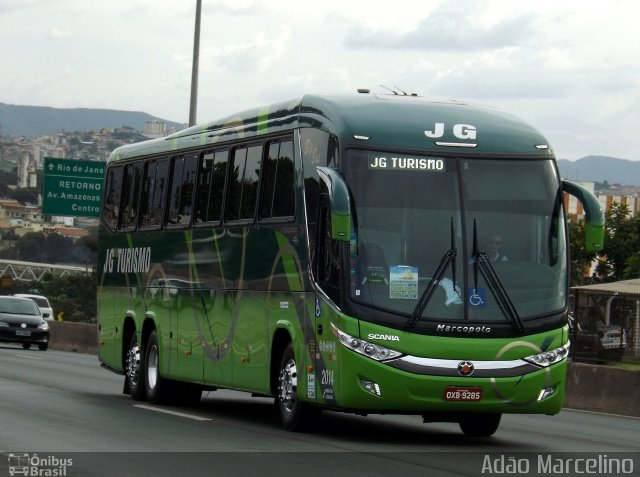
(295, 415)
(480, 425)
(133, 371)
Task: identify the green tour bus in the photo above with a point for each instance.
(363, 253)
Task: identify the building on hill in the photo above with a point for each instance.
(633, 203)
(74, 233)
(155, 128)
(12, 209)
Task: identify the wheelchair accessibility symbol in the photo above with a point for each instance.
(477, 297)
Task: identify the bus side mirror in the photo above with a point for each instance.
(593, 213)
(340, 203)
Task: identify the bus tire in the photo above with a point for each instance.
(294, 414)
(480, 425)
(134, 381)
(156, 387)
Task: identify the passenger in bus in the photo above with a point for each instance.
(494, 249)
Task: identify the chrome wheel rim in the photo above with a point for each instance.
(152, 367)
(133, 365)
(287, 385)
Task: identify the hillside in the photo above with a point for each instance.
(600, 169)
(32, 121)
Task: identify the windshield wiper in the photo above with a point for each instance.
(447, 259)
(481, 261)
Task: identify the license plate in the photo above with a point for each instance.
(453, 393)
(23, 333)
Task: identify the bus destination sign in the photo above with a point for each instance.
(72, 187)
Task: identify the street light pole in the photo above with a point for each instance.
(193, 105)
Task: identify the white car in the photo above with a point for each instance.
(42, 302)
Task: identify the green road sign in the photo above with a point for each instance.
(72, 187)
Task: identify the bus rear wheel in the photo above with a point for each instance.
(294, 414)
(480, 425)
(156, 387)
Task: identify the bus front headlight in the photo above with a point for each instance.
(370, 350)
(547, 358)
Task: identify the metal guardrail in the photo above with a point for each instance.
(34, 271)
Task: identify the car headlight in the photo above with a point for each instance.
(547, 358)
(370, 350)
(3, 324)
(43, 326)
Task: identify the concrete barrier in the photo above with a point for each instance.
(589, 387)
(69, 336)
(603, 389)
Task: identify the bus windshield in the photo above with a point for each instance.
(421, 224)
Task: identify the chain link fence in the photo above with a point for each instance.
(605, 322)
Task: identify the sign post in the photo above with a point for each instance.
(72, 187)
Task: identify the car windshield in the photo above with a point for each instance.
(40, 301)
(456, 239)
(18, 307)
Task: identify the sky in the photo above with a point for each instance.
(569, 68)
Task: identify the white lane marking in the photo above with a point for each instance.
(173, 413)
(28, 357)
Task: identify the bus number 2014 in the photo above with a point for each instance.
(327, 377)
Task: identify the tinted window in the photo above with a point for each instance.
(182, 185)
(131, 195)
(112, 196)
(213, 170)
(185, 208)
(243, 183)
(177, 165)
(278, 189)
(153, 192)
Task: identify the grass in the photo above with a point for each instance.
(620, 365)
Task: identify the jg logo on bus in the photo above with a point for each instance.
(461, 131)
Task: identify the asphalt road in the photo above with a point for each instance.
(57, 405)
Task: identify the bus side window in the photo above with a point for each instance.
(130, 195)
(162, 177)
(185, 209)
(112, 197)
(147, 193)
(181, 191)
(153, 193)
(210, 185)
(243, 183)
(177, 166)
(278, 193)
(326, 265)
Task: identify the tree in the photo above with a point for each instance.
(74, 295)
(30, 247)
(27, 195)
(57, 248)
(581, 260)
(622, 244)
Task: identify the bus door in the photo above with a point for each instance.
(327, 264)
